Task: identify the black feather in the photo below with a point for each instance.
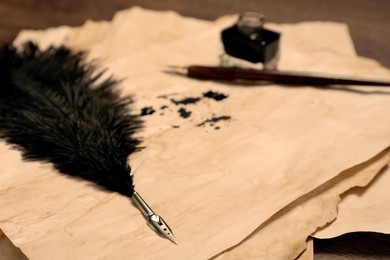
(57, 109)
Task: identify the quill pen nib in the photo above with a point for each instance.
(155, 222)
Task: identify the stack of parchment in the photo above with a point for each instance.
(252, 175)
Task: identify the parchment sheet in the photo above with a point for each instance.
(213, 186)
(362, 209)
(284, 235)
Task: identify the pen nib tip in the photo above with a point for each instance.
(155, 222)
(172, 239)
(161, 227)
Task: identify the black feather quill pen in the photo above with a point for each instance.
(57, 109)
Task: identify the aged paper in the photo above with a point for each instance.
(362, 209)
(284, 235)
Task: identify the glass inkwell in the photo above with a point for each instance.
(248, 44)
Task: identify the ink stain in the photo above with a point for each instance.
(147, 111)
(184, 113)
(186, 101)
(214, 120)
(215, 95)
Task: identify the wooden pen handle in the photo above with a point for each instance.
(233, 73)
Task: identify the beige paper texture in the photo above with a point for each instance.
(284, 235)
(362, 209)
(214, 187)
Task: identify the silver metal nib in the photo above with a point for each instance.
(155, 222)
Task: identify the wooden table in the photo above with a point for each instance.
(369, 23)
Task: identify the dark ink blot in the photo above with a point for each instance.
(217, 128)
(147, 111)
(186, 101)
(175, 126)
(215, 95)
(213, 120)
(184, 113)
(163, 107)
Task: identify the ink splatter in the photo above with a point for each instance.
(147, 111)
(186, 101)
(184, 113)
(214, 95)
(214, 120)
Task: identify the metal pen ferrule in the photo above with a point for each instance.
(155, 222)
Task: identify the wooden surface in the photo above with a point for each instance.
(368, 20)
